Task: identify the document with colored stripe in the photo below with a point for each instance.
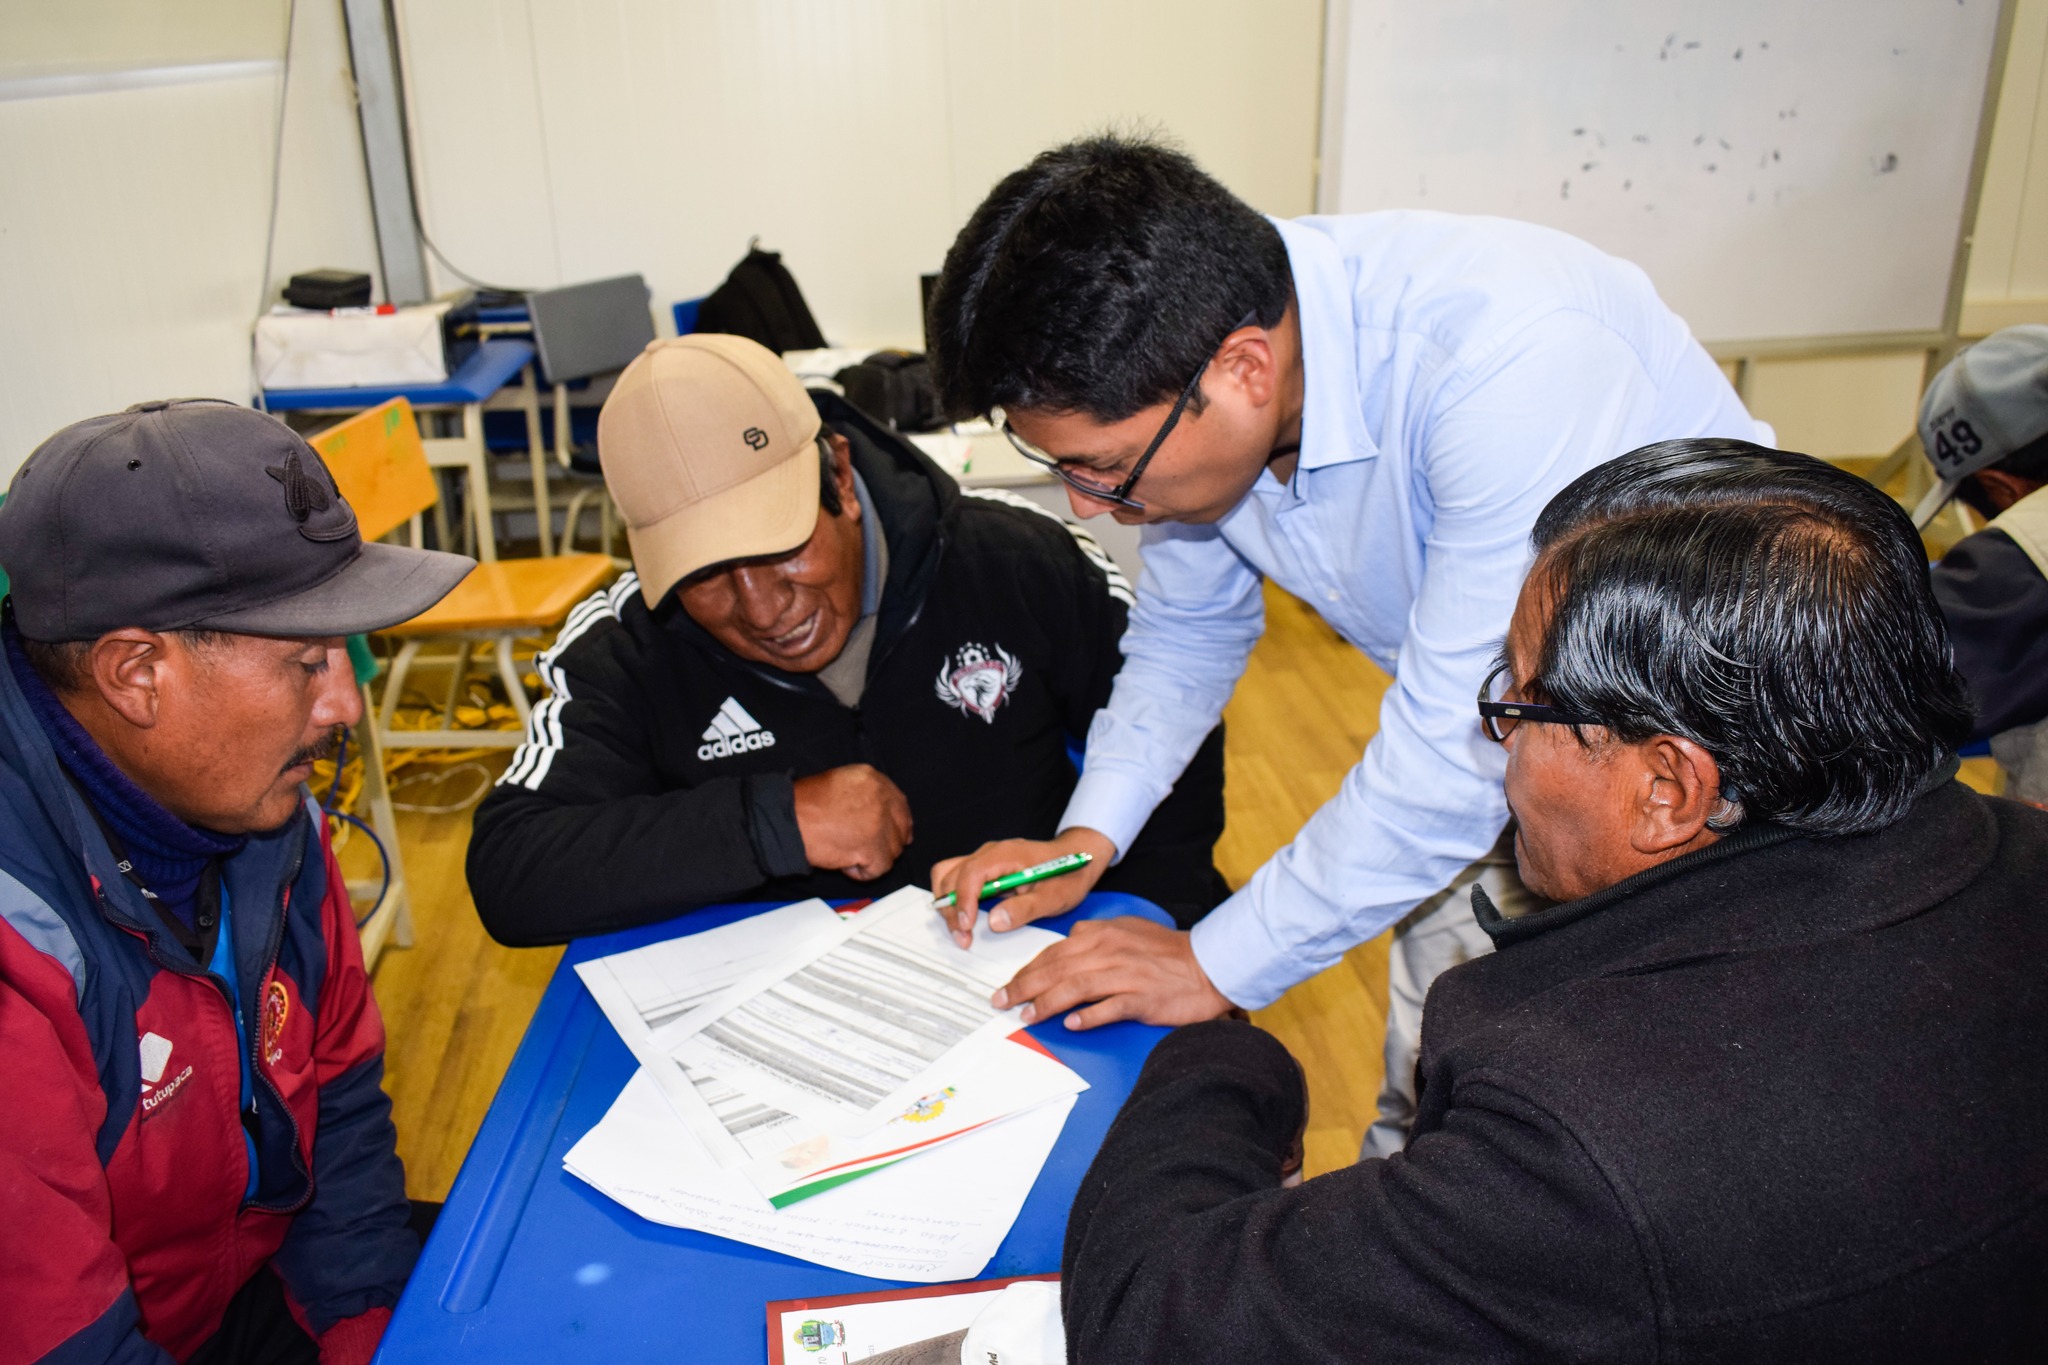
(993, 1083)
(855, 1028)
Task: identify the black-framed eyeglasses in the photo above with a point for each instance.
(1498, 716)
(1121, 493)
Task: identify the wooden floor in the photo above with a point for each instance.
(455, 1003)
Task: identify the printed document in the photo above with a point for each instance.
(992, 1082)
(645, 992)
(644, 989)
(938, 1218)
(857, 1026)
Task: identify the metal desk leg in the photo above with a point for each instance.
(537, 457)
(515, 689)
(478, 465)
(466, 452)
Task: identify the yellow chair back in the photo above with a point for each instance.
(380, 466)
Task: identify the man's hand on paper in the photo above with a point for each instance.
(1131, 969)
(1053, 896)
(853, 820)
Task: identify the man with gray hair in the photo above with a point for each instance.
(196, 1156)
(1769, 1079)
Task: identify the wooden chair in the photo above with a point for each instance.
(381, 468)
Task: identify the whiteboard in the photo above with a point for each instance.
(1780, 169)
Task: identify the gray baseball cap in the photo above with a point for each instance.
(199, 514)
(1986, 404)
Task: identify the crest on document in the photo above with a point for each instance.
(975, 681)
(928, 1108)
(815, 1334)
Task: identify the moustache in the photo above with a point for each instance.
(317, 753)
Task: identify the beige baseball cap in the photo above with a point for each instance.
(708, 444)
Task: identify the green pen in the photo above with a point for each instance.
(1010, 881)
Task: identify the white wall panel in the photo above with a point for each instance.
(132, 225)
(2010, 258)
(104, 305)
(479, 168)
(1236, 84)
(571, 139)
(677, 131)
(42, 37)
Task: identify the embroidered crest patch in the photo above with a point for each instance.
(277, 1007)
(975, 681)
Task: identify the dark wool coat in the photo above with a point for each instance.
(1784, 1099)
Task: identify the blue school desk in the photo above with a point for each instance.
(527, 1263)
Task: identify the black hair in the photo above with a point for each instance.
(1098, 279)
(828, 478)
(65, 666)
(2030, 461)
(1768, 606)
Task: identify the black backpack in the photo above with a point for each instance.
(894, 387)
(760, 300)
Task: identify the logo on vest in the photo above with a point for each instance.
(155, 1054)
(975, 681)
(277, 1007)
(733, 731)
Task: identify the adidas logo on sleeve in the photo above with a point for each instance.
(733, 731)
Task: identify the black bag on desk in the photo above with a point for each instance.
(760, 300)
(894, 387)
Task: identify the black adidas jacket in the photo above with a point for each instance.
(657, 777)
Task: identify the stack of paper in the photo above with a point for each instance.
(792, 1062)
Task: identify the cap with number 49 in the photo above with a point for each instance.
(1989, 402)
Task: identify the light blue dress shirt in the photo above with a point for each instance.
(1459, 372)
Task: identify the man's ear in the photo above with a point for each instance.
(1680, 785)
(126, 670)
(1248, 361)
(2002, 489)
(842, 473)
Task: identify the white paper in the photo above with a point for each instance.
(954, 454)
(939, 1217)
(856, 1028)
(989, 1084)
(645, 989)
(303, 349)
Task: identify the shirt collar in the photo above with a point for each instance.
(1332, 425)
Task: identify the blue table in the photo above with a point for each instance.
(528, 1263)
(490, 367)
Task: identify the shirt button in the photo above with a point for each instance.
(1333, 595)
